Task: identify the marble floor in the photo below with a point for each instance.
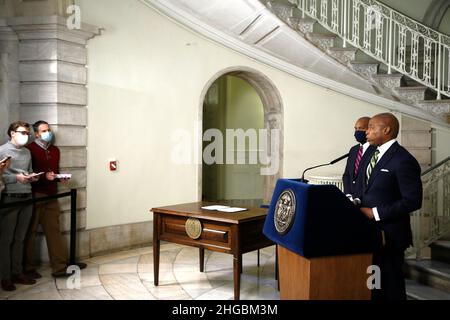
(128, 275)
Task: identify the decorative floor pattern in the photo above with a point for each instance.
(128, 275)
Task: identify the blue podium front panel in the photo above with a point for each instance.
(318, 221)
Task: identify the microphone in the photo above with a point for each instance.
(339, 159)
(323, 165)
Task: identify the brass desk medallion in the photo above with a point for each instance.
(193, 228)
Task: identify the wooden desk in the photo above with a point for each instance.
(233, 233)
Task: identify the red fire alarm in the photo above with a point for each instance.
(112, 165)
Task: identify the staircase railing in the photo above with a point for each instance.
(401, 43)
(432, 221)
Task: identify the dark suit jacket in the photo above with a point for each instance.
(395, 189)
(354, 184)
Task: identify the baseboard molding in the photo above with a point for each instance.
(100, 241)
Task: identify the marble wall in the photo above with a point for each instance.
(9, 78)
(44, 77)
(16, 8)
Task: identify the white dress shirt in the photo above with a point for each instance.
(365, 147)
(383, 148)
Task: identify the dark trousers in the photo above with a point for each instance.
(390, 260)
(14, 223)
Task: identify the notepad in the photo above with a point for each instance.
(224, 208)
(33, 175)
(63, 176)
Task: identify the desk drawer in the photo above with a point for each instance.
(213, 233)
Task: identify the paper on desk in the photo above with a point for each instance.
(224, 208)
(231, 210)
(215, 207)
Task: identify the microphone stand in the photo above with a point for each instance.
(322, 165)
(303, 175)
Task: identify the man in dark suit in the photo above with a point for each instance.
(392, 191)
(357, 155)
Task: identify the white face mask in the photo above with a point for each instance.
(21, 140)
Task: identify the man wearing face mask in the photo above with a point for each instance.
(45, 157)
(14, 222)
(352, 178)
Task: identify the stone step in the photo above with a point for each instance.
(438, 108)
(284, 11)
(418, 291)
(440, 251)
(322, 41)
(303, 25)
(411, 94)
(366, 69)
(389, 81)
(343, 55)
(429, 272)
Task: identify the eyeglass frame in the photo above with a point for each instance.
(24, 133)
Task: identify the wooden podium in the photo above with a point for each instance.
(325, 243)
(325, 278)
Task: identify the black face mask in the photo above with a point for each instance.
(360, 136)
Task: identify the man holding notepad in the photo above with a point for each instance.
(14, 222)
(45, 157)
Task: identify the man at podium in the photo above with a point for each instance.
(392, 190)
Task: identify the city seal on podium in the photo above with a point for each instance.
(284, 211)
(193, 228)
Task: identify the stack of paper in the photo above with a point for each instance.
(224, 208)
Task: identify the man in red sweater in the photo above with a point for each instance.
(45, 158)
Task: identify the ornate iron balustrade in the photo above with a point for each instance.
(388, 36)
(432, 221)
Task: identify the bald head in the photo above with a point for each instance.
(382, 128)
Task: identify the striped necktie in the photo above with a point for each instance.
(372, 164)
(358, 159)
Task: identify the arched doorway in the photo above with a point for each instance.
(217, 181)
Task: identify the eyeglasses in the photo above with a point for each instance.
(25, 133)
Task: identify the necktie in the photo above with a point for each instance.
(372, 164)
(358, 159)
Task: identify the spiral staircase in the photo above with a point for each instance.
(394, 53)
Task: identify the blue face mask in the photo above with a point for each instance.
(47, 136)
(360, 136)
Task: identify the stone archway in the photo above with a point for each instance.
(273, 118)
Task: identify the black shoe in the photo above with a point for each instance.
(23, 279)
(8, 285)
(61, 273)
(33, 274)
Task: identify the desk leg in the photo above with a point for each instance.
(237, 270)
(258, 259)
(156, 246)
(202, 259)
(237, 260)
